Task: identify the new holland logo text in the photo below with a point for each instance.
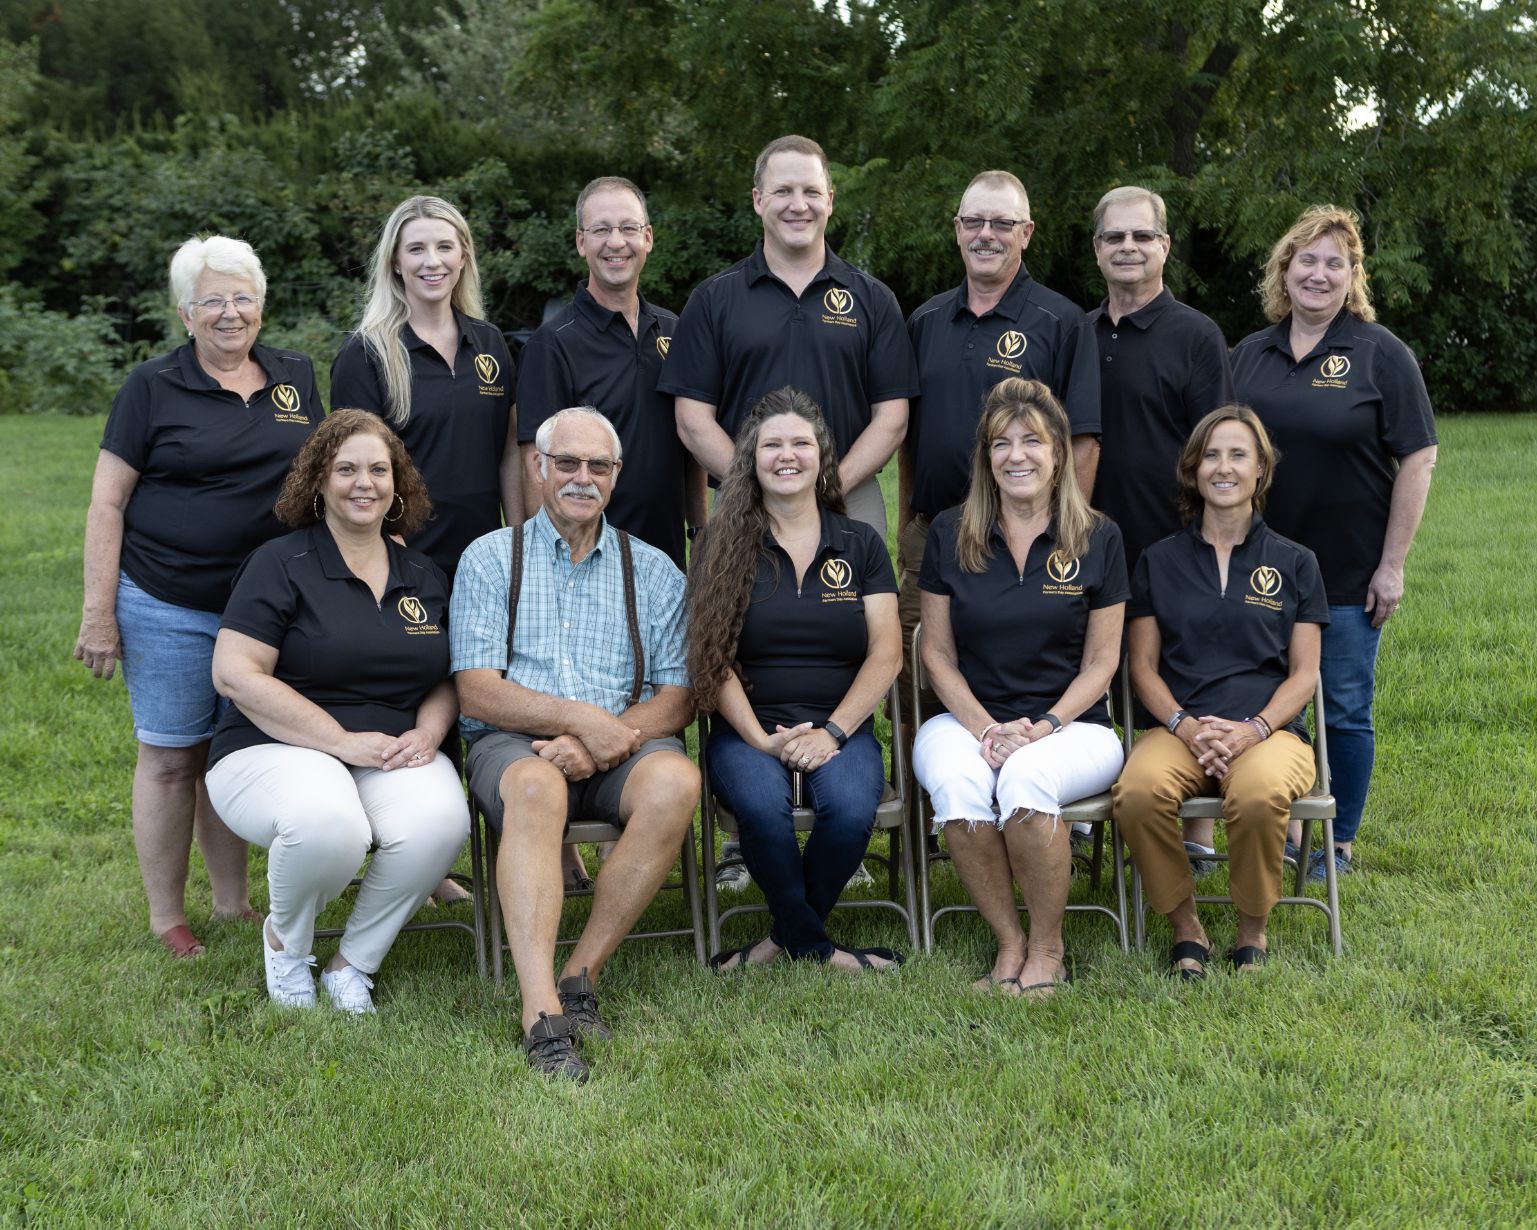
(286, 407)
(663, 344)
(1009, 349)
(1265, 588)
(838, 307)
(1064, 574)
(836, 575)
(489, 371)
(1332, 372)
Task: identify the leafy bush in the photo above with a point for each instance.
(52, 363)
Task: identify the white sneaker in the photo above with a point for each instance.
(349, 989)
(289, 981)
(861, 878)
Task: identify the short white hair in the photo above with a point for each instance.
(545, 436)
(219, 253)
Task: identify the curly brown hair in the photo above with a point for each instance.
(307, 475)
(725, 559)
(1190, 502)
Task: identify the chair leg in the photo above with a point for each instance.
(1095, 859)
(1117, 875)
(691, 895)
(494, 908)
(478, 883)
(707, 858)
(1332, 889)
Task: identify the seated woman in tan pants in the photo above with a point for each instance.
(1225, 624)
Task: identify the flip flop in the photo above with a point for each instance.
(719, 961)
(1188, 950)
(180, 942)
(1045, 990)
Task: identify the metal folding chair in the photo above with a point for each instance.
(592, 831)
(1095, 811)
(890, 817)
(1316, 806)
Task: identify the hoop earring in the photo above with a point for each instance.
(391, 520)
(315, 504)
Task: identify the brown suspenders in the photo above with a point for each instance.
(632, 618)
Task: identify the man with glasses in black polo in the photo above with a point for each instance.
(1162, 366)
(999, 322)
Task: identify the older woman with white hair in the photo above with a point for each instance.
(192, 459)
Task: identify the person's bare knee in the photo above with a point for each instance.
(662, 791)
(172, 765)
(533, 800)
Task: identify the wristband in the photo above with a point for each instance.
(1261, 727)
(1179, 716)
(836, 732)
(1052, 720)
(982, 738)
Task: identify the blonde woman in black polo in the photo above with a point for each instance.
(1023, 590)
(1226, 618)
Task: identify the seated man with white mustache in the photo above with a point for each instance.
(573, 688)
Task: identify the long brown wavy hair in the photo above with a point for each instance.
(307, 475)
(725, 559)
(1190, 502)
(1029, 402)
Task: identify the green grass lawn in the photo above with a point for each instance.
(1394, 1087)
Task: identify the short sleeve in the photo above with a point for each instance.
(878, 576)
(1076, 379)
(355, 383)
(1407, 423)
(666, 637)
(477, 612)
(128, 423)
(1312, 597)
(262, 600)
(693, 365)
(1210, 383)
(892, 370)
(1112, 586)
(545, 385)
(1141, 601)
(936, 551)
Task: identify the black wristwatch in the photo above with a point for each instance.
(836, 732)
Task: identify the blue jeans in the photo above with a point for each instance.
(168, 666)
(1349, 670)
(801, 887)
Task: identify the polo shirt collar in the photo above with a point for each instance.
(1257, 528)
(1144, 316)
(834, 267)
(189, 372)
(824, 544)
(413, 342)
(600, 317)
(335, 567)
(549, 537)
(1336, 337)
(1010, 307)
(997, 534)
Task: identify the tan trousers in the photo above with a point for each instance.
(1256, 795)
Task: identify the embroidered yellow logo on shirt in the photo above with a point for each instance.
(1063, 570)
(836, 575)
(838, 305)
(285, 405)
(487, 368)
(411, 610)
(1009, 346)
(1332, 372)
(1265, 584)
(663, 344)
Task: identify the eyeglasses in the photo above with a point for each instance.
(598, 467)
(1115, 239)
(1001, 226)
(630, 230)
(214, 305)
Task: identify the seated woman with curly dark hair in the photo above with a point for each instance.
(793, 641)
(334, 652)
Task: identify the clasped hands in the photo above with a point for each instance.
(1217, 742)
(1003, 739)
(600, 742)
(373, 749)
(804, 748)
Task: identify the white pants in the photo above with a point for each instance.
(318, 817)
(1080, 760)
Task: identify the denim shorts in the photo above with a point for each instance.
(168, 667)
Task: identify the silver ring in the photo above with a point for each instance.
(563, 772)
(805, 759)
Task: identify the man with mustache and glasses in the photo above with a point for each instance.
(1000, 322)
(794, 313)
(606, 349)
(573, 688)
(1162, 366)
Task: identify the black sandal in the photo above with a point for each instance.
(1247, 958)
(1188, 950)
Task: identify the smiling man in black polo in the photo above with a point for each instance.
(793, 313)
(605, 349)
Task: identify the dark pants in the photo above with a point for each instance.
(801, 887)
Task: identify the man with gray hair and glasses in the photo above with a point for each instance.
(568, 653)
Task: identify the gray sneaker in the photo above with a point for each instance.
(579, 1003)
(1200, 867)
(551, 1049)
(731, 873)
(861, 878)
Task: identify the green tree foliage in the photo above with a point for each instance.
(126, 125)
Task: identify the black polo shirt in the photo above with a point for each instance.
(456, 433)
(1033, 333)
(1161, 369)
(587, 356)
(1341, 417)
(369, 665)
(210, 467)
(743, 334)
(1019, 636)
(1224, 652)
(801, 646)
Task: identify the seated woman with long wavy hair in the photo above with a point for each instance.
(793, 640)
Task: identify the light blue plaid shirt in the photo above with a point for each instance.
(571, 640)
